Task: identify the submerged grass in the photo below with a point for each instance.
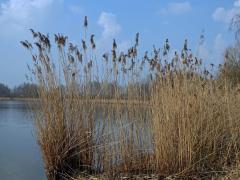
(160, 115)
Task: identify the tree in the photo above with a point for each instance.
(235, 26)
(231, 69)
(25, 90)
(4, 91)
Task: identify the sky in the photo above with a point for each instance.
(155, 20)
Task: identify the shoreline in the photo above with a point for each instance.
(95, 101)
(17, 99)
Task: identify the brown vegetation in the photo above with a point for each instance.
(184, 122)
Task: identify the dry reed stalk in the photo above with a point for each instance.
(183, 121)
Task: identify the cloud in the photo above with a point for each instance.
(176, 8)
(20, 10)
(225, 15)
(215, 52)
(219, 47)
(219, 42)
(109, 24)
(111, 30)
(237, 3)
(203, 52)
(17, 15)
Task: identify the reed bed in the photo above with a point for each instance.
(163, 114)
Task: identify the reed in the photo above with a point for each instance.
(196, 126)
(160, 114)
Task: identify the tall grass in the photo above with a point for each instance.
(195, 125)
(183, 122)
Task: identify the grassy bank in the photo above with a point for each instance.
(159, 114)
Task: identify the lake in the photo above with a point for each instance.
(20, 157)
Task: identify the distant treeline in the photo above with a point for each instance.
(106, 90)
(25, 90)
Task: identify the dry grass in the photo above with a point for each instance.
(97, 116)
(196, 126)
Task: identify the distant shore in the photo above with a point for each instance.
(95, 101)
(17, 99)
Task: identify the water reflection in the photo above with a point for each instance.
(20, 157)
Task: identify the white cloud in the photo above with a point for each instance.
(219, 43)
(17, 15)
(203, 52)
(225, 15)
(219, 47)
(111, 29)
(237, 3)
(176, 8)
(109, 24)
(21, 9)
(215, 52)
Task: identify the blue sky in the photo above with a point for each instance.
(155, 20)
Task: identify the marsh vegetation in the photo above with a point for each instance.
(164, 113)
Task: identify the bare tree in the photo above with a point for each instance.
(235, 26)
(4, 90)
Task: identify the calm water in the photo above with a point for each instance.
(20, 158)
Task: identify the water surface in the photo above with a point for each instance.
(20, 157)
